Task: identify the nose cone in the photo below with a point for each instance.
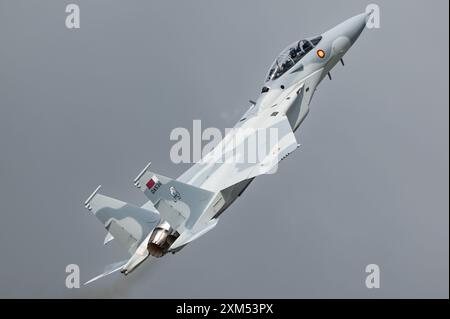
(353, 27)
(349, 29)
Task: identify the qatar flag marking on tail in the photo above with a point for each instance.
(153, 184)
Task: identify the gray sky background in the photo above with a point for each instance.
(93, 106)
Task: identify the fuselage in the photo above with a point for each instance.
(287, 92)
(323, 53)
(184, 209)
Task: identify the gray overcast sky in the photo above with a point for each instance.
(92, 106)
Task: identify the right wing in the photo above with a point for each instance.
(255, 147)
(128, 224)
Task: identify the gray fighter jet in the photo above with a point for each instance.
(183, 209)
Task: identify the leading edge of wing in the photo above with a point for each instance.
(215, 174)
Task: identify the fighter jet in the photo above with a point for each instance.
(181, 210)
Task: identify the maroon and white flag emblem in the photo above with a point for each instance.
(153, 184)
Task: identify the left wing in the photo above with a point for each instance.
(128, 224)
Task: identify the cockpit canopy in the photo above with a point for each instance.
(290, 56)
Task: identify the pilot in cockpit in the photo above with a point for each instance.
(290, 56)
(293, 53)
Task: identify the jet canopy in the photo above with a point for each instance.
(290, 56)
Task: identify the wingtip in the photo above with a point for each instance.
(88, 200)
(136, 180)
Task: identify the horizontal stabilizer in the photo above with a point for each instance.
(112, 268)
(187, 236)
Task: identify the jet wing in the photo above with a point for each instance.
(128, 224)
(241, 158)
